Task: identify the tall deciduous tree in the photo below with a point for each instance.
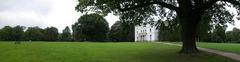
(12, 33)
(115, 32)
(91, 27)
(218, 16)
(18, 32)
(6, 33)
(121, 32)
(218, 34)
(34, 34)
(66, 34)
(189, 12)
(50, 34)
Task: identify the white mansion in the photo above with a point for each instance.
(146, 33)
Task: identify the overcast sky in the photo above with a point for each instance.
(45, 13)
(42, 13)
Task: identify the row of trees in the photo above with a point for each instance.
(206, 33)
(93, 27)
(233, 36)
(89, 27)
(18, 33)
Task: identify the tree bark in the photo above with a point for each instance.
(189, 21)
(188, 38)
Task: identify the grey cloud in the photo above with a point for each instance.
(25, 5)
(11, 12)
(21, 21)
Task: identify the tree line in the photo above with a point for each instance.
(205, 33)
(21, 33)
(93, 27)
(89, 27)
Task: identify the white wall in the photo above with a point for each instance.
(146, 33)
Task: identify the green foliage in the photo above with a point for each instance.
(169, 30)
(135, 11)
(214, 19)
(138, 11)
(50, 34)
(6, 33)
(121, 31)
(115, 32)
(66, 34)
(218, 34)
(18, 32)
(90, 27)
(12, 33)
(34, 34)
(234, 35)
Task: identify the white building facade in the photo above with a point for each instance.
(146, 32)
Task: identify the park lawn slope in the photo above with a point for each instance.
(227, 47)
(98, 52)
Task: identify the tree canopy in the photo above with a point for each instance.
(6, 33)
(121, 31)
(50, 34)
(234, 35)
(18, 32)
(34, 34)
(90, 27)
(9, 33)
(66, 34)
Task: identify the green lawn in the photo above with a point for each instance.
(98, 52)
(228, 47)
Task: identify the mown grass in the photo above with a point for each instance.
(98, 52)
(227, 47)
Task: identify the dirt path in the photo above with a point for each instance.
(230, 55)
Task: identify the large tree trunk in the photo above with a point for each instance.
(188, 37)
(190, 17)
(189, 23)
